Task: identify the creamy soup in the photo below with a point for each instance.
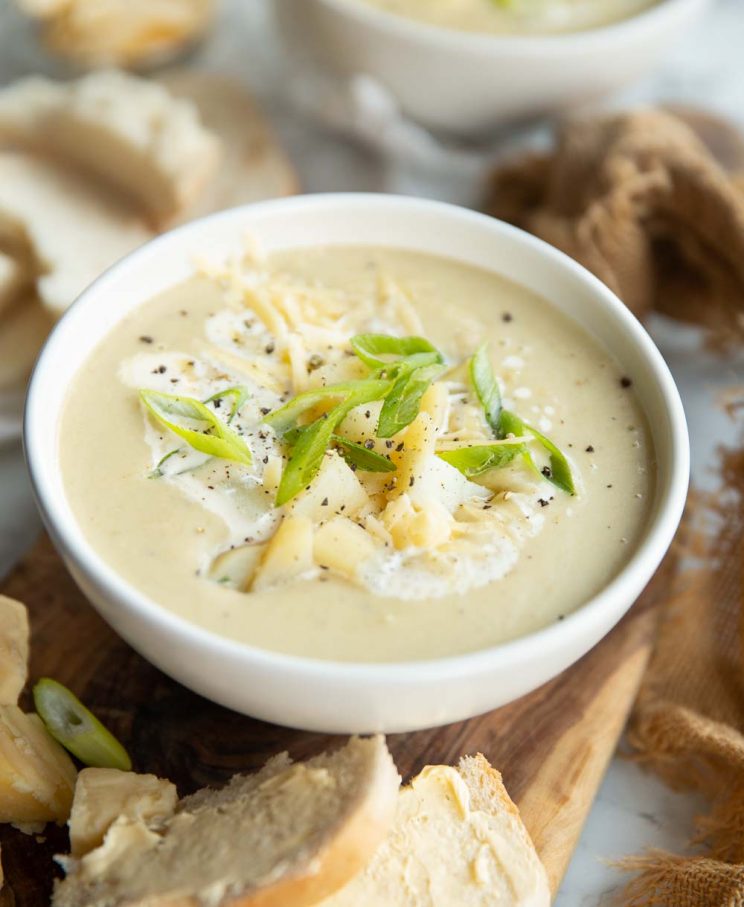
(514, 16)
(358, 454)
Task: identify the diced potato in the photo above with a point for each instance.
(377, 529)
(104, 794)
(336, 485)
(236, 567)
(272, 474)
(288, 555)
(418, 527)
(37, 777)
(361, 425)
(343, 546)
(436, 403)
(418, 443)
(439, 481)
(13, 649)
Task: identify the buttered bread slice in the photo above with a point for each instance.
(457, 841)
(287, 836)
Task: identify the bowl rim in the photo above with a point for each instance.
(70, 539)
(441, 36)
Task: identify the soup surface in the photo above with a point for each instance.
(455, 462)
(514, 16)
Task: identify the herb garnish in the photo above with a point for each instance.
(361, 457)
(198, 425)
(480, 458)
(504, 423)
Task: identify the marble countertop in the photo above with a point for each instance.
(633, 809)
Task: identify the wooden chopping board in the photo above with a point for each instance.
(552, 746)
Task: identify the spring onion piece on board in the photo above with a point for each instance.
(198, 425)
(76, 728)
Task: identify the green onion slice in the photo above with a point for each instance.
(284, 419)
(238, 395)
(481, 458)
(560, 472)
(359, 456)
(380, 350)
(198, 425)
(76, 728)
(486, 387)
(313, 441)
(403, 403)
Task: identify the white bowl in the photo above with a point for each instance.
(467, 83)
(337, 696)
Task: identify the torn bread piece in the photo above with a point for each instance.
(130, 132)
(13, 277)
(120, 32)
(14, 636)
(457, 840)
(253, 166)
(292, 833)
(23, 330)
(72, 231)
(102, 795)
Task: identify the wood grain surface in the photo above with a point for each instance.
(552, 746)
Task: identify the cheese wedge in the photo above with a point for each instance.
(37, 777)
(72, 230)
(14, 635)
(102, 795)
(129, 132)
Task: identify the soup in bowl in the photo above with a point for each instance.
(356, 463)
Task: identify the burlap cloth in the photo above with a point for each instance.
(654, 205)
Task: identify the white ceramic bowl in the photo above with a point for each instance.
(466, 83)
(337, 696)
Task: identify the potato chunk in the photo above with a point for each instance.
(13, 649)
(334, 487)
(102, 795)
(342, 546)
(37, 777)
(288, 555)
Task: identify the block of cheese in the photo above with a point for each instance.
(14, 635)
(457, 840)
(72, 230)
(102, 795)
(37, 777)
(129, 132)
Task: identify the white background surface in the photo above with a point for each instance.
(633, 809)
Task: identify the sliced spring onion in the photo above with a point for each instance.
(559, 471)
(198, 425)
(77, 728)
(313, 440)
(481, 458)
(359, 456)
(403, 403)
(486, 387)
(238, 395)
(284, 419)
(380, 350)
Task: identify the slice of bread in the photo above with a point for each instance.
(287, 836)
(457, 841)
(70, 231)
(127, 131)
(23, 329)
(254, 166)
